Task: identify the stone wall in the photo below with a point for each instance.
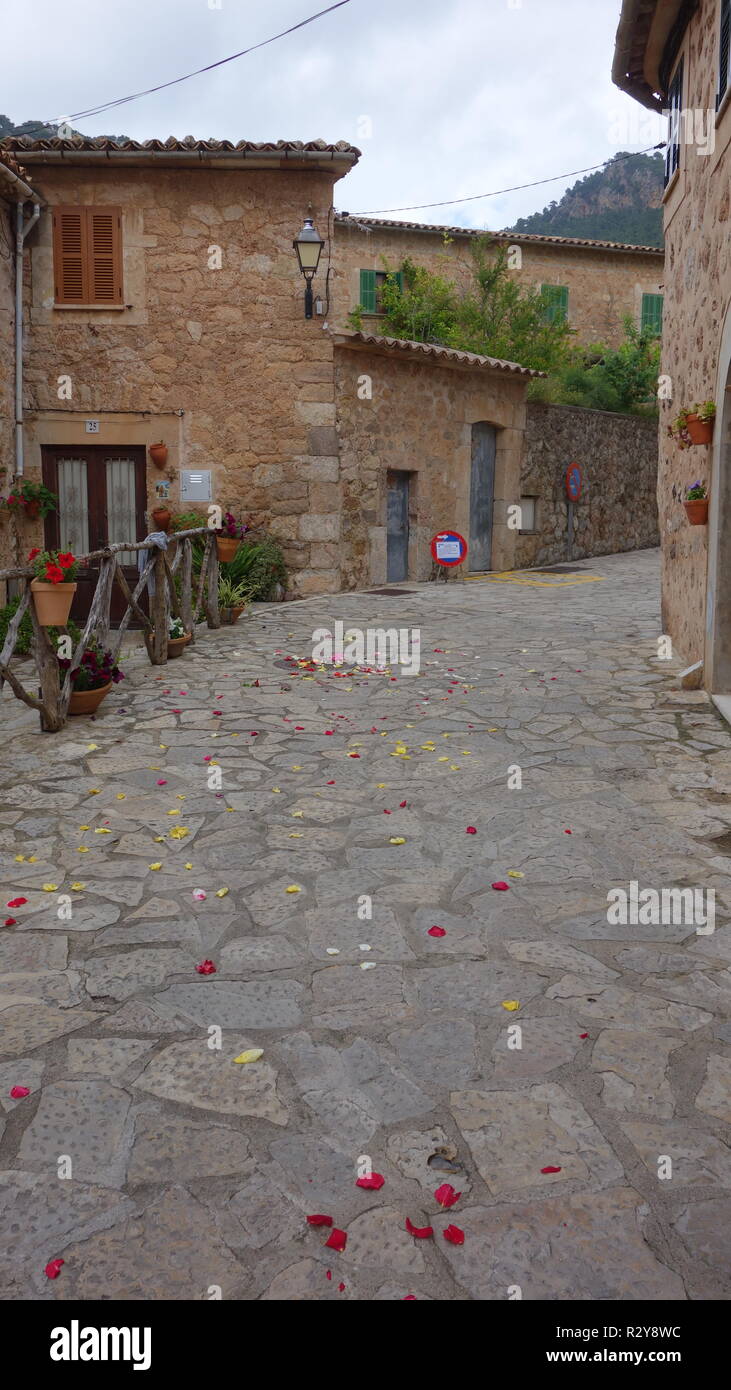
(618, 507)
(220, 363)
(419, 420)
(604, 286)
(696, 359)
(7, 372)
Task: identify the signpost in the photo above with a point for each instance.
(449, 549)
(574, 484)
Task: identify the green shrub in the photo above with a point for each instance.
(259, 565)
(24, 639)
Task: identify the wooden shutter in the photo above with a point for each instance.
(368, 290)
(87, 255)
(675, 103)
(557, 302)
(725, 52)
(651, 321)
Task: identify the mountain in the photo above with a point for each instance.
(40, 130)
(621, 202)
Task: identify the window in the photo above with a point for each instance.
(528, 513)
(371, 287)
(675, 103)
(556, 299)
(724, 66)
(651, 321)
(87, 255)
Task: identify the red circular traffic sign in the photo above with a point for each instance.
(574, 482)
(449, 548)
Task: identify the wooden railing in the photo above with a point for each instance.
(52, 701)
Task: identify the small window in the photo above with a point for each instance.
(724, 65)
(87, 255)
(675, 105)
(651, 321)
(528, 513)
(371, 288)
(556, 299)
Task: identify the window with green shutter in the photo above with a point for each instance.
(556, 298)
(371, 286)
(651, 321)
(724, 60)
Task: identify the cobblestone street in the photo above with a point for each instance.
(386, 1045)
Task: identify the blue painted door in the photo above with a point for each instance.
(397, 528)
(482, 488)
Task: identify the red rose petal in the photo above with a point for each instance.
(385, 812)
(409, 1298)
(470, 830)
(328, 1274)
(402, 804)
(206, 967)
(53, 1268)
(19, 1092)
(436, 931)
(10, 921)
(319, 1220)
(568, 832)
(550, 1169)
(419, 1232)
(583, 1035)
(454, 1235)
(16, 902)
(341, 1288)
(372, 1184)
(329, 784)
(446, 1195)
(337, 1240)
(501, 887)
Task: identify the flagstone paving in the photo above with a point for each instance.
(157, 1166)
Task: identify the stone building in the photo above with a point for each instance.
(677, 56)
(596, 284)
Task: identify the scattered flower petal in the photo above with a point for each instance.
(338, 1240)
(372, 1184)
(471, 830)
(436, 931)
(511, 1005)
(454, 1235)
(53, 1268)
(206, 967)
(19, 1092)
(446, 1195)
(252, 1054)
(501, 887)
(551, 1169)
(319, 1220)
(419, 1232)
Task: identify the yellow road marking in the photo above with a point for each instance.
(559, 581)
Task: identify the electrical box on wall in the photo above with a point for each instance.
(195, 485)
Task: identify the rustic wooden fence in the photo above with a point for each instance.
(52, 701)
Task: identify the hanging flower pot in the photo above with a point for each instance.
(88, 701)
(226, 547)
(161, 517)
(33, 507)
(52, 589)
(697, 511)
(159, 454)
(699, 429)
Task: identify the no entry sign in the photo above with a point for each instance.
(449, 548)
(574, 482)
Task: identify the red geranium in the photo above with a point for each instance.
(66, 560)
(54, 575)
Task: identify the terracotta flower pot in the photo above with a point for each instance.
(700, 431)
(52, 602)
(162, 517)
(88, 701)
(159, 454)
(229, 616)
(697, 511)
(177, 645)
(226, 547)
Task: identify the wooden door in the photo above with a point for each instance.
(397, 528)
(482, 487)
(101, 495)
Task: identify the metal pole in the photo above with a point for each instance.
(570, 545)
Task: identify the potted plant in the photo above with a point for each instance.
(228, 536)
(232, 600)
(696, 504)
(161, 517)
(32, 498)
(178, 638)
(53, 588)
(694, 426)
(92, 680)
(159, 454)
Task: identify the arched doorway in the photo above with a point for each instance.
(717, 673)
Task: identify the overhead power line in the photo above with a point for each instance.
(135, 96)
(475, 197)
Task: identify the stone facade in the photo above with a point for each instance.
(696, 561)
(7, 357)
(418, 420)
(605, 285)
(617, 509)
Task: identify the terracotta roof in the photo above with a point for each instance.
(88, 149)
(14, 180)
(440, 355)
(517, 238)
(648, 39)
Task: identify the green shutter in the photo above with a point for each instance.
(651, 321)
(368, 290)
(398, 276)
(557, 302)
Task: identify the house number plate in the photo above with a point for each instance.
(91, 426)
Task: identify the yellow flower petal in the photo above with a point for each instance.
(515, 873)
(20, 858)
(293, 888)
(78, 887)
(188, 866)
(32, 859)
(121, 796)
(102, 830)
(442, 760)
(175, 812)
(83, 827)
(179, 832)
(276, 789)
(397, 840)
(295, 834)
(91, 746)
(155, 866)
(50, 887)
(299, 814)
(83, 849)
(251, 1055)
(296, 767)
(94, 791)
(221, 892)
(511, 1005)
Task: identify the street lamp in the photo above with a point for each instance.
(308, 246)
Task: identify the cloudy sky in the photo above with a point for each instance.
(446, 98)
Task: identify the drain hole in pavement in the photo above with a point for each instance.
(445, 1159)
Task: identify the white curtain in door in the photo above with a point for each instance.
(121, 506)
(73, 506)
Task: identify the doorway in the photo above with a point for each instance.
(397, 527)
(482, 488)
(101, 500)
